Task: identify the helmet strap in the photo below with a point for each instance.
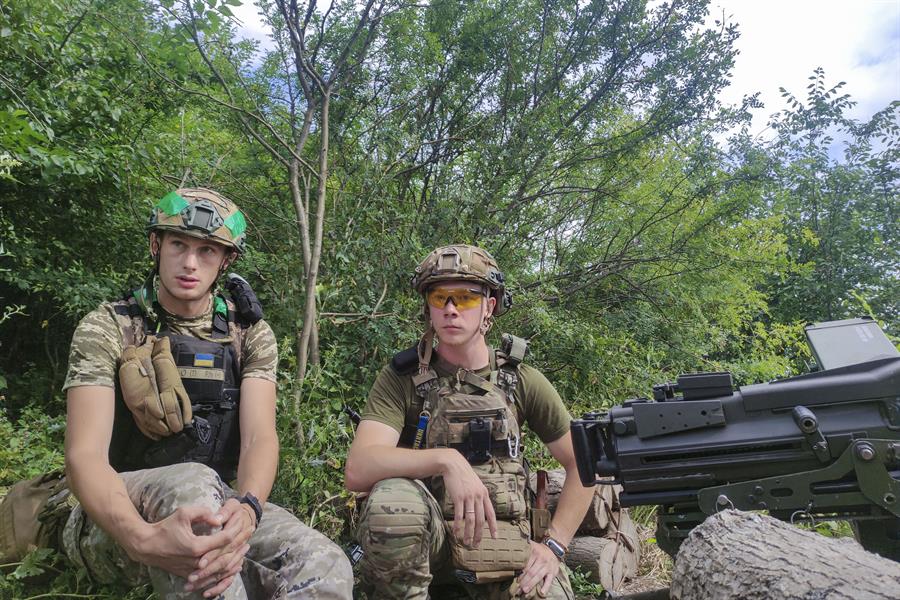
(486, 323)
(425, 348)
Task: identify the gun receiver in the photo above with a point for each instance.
(820, 445)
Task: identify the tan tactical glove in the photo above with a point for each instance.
(152, 388)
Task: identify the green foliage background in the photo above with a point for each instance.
(643, 230)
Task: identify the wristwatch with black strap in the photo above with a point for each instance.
(253, 502)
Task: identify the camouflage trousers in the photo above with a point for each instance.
(286, 559)
(405, 541)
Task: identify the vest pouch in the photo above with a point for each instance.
(505, 483)
(506, 486)
(509, 551)
(478, 434)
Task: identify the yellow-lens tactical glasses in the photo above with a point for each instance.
(463, 298)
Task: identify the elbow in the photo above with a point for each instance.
(354, 480)
(77, 459)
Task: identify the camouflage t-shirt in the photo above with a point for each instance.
(537, 402)
(97, 346)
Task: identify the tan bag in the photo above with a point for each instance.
(509, 551)
(32, 514)
(152, 388)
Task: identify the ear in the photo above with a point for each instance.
(491, 303)
(154, 241)
(229, 259)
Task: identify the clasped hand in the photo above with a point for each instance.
(208, 562)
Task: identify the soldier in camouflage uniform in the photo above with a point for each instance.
(438, 452)
(181, 526)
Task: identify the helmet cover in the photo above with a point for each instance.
(461, 262)
(201, 213)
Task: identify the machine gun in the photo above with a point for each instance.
(824, 445)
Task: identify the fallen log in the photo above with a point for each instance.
(742, 555)
(621, 529)
(602, 559)
(604, 503)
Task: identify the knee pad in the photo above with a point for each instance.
(395, 529)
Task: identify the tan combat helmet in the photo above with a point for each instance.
(461, 262)
(203, 214)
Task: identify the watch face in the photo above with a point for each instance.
(555, 547)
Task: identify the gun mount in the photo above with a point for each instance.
(825, 445)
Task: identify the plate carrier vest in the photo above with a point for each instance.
(477, 417)
(210, 371)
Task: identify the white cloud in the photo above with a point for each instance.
(251, 23)
(782, 41)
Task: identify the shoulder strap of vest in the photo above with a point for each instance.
(132, 322)
(223, 316)
(506, 361)
(232, 327)
(405, 362)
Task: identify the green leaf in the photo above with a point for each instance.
(31, 566)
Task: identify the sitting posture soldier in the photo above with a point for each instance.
(171, 393)
(439, 451)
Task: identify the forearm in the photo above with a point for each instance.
(371, 464)
(257, 466)
(104, 498)
(574, 500)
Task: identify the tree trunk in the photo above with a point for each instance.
(737, 554)
(308, 343)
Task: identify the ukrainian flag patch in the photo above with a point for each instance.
(204, 360)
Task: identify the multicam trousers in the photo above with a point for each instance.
(406, 550)
(287, 559)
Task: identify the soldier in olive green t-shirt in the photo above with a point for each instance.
(438, 452)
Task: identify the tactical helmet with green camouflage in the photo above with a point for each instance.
(201, 213)
(462, 262)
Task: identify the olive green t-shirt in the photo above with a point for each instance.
(97, 346)
(537, 403)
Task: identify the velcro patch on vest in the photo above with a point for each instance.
(204, 360)
(208, 374)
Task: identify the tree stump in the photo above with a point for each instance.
(737, 554)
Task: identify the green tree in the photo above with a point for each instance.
(835, 182)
